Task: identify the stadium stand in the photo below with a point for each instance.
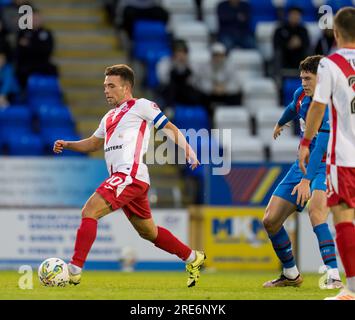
(179, 11)
(266, 120)
(248, 63)
(284, 150)
(209, 15)
(259, 93)
(235, 118)
(249, 149)
(86, 42)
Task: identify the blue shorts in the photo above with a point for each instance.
(293, 177)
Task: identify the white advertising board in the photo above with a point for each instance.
(28, 236)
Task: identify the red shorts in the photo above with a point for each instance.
(340, 185)
(130, 194)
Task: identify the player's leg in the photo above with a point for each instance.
(345, 239)
(138, 213)
(277, 211)
(160, 237)
(318, 214)
(95, 208)
(341, 200)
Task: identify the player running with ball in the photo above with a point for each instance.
(124, 133)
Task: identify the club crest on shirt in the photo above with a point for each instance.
(125, 108)
(154, 106)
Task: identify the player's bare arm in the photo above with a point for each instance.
(86, 145)
(175, 135)
(313, 122)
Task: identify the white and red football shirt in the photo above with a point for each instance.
(337, 90)
(126, 130)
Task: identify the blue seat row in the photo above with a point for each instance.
(18, 129)
(151, 42)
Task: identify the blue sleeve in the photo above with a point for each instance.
(9, 84)
(290, 112)
(288, 115)
(317, 154)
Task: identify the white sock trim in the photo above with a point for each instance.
(291, 273)
(334, 273)
(73, 269)
(191, 257)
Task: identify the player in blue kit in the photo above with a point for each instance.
(296, 189)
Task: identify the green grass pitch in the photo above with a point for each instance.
(164, 285)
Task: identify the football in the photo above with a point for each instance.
(53, 272)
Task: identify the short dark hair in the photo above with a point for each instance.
(295, 8)
(125, 72)
(310, 64)
(180, 45)
(345, 22)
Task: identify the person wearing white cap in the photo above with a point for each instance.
(217, 79)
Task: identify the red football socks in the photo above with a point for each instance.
(168, 242)
(345, 239)
(85, 237)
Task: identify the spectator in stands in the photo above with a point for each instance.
(291, 43)
(218, 80)
(326, 44)
(4, 42)
(34, 50)
(234, 24)
(8, 84)
(129, 11)
(177, 79)
(110, 8)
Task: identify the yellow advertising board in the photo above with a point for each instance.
(234, 238)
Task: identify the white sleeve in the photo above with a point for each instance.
(100, 131)
(323, 89)
(150, 111)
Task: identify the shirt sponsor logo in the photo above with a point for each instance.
(114, 148)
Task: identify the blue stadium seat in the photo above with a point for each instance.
(35, 102)
(15, 120)
(25, 145)
(51, 136)
(40, 82)
(191, 117)
(289, 86)
(309, 10)
(150, 39)
(337, 4)
(145, 49)
(151, 60)
(4, 3)
(262, 11)
(149, 30)
(41, 86)
(54, 117)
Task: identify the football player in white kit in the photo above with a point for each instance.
(124, 133)
(336, 87)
